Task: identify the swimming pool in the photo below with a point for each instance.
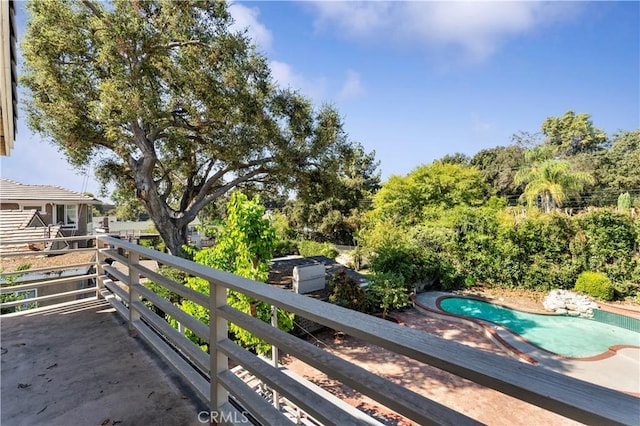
(564, 335)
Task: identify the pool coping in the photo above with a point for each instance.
(492, 334)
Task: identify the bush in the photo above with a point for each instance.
(309, 248)
(285, 248)
(595, 284)
(389, 292)
(397, 260)
(346, 292)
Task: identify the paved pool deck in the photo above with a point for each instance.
(620, 371)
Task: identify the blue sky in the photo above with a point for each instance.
(415, 81)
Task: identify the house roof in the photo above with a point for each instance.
(14, 191)
(21, 225)
(19, 219)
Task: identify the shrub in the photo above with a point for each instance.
(309, 248)
(595, 284)
(345, 291)
(624, 201)
(389, 292)
(397, 260)
(284, 248)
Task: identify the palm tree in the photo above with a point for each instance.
(552, 181)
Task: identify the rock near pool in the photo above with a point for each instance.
(567, 302)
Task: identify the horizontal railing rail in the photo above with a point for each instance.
(69, 281)
(123, 281)
(210, 375)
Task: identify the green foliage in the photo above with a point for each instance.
(615, 169)
(474, 242)
(624, 201)
(171, 105)
(285, 245)
(402, 261)
(285, 248)
(606, 243)
(156, 243)
(357, 258)
(595, 284)
(173, 274)
(311, 248)
(10, 280)
(328, 207)
(551, 182)
(450, 236)
(389, 291)
(498, 167)
(10, 297)
(380, 232)
(439, 186)
(573, 133)
(243, 247)
(345, 291)
(533, 252)
(456, 158)
(281, 226)
(128, 207)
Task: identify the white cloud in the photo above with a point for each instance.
(475, 30)
(352, 87)
(247, 18)
(287, 77)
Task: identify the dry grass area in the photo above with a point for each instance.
(483, 404)
(530, 300)
(39, 260)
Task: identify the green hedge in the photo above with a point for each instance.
(312, 248)
(511, 248)
(595, 284)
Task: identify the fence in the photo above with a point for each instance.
(121, 283)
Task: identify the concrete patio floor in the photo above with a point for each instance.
(78, 365)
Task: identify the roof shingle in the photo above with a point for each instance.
(14, 191)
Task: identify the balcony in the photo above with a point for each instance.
(97, 354)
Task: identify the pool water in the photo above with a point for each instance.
(564, 335)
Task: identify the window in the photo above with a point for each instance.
(40, 209)
(26, 294)
(67, 215)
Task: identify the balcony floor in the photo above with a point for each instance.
(77, 365)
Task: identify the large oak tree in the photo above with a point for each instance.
(168, 103)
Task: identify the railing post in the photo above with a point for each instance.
(134, 295)
(218, 361)
(275, 354)
(99, 269)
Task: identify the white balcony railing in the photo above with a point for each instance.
(209, 373)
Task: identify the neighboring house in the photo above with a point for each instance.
(8, 76)
(20, 225)
(18, 229)
(70, 210)
(143, 229)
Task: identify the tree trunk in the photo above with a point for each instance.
(174, 237)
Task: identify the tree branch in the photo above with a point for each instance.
(97, 12)
(174, 44)
(191, 211)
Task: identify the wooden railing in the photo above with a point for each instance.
(61, 281)
(122, 284)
